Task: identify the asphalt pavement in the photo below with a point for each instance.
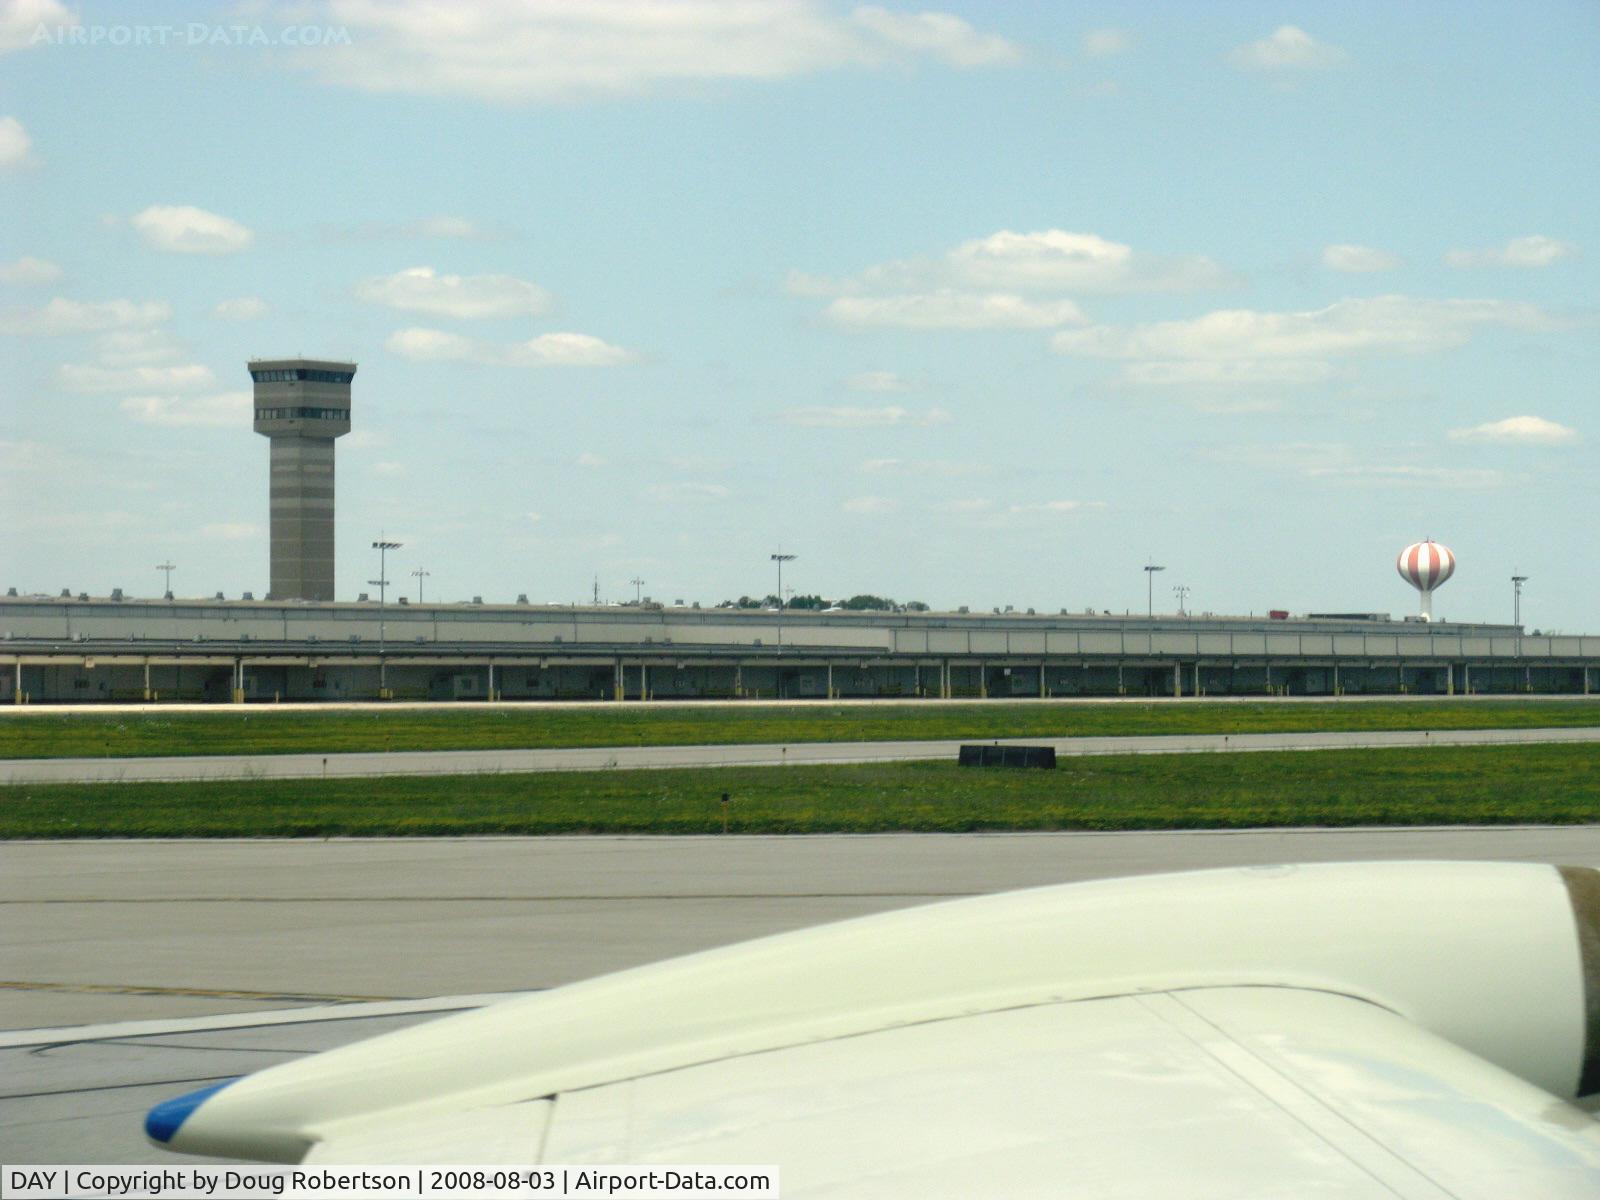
(138, 970)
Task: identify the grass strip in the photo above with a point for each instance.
(1474, 785)
(265, 731)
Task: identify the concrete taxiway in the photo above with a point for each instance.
(137, 970)
(470, 762)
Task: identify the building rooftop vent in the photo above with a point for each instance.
(477, 599)
(219, 596)
(362, 598)
(402, 600)
(11, 591)
(248, 596)
(116, 594)
(522, 597)
(66, 593)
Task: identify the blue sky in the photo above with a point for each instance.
(982, 304)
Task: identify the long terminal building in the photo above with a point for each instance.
(299, 644)
(73, 648)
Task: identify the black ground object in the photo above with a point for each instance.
(1008, 756)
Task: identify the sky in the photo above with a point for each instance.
(976, 304)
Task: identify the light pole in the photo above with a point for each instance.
(1182, 593)
(638, 589)
(169, 567)
(1150, 570)
(382, 584)
(781, 558)
(1516, 599)
(419, 575)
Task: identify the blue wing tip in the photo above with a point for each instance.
(162, 1121)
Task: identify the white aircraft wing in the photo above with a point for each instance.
(1356, 1030)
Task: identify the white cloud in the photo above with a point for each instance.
(974, 285)
(877, 381)
(28, 271)
(1235, 373)
(1335, 463)
(190, 377)
(1529, 430)
(241, 308)
(1384, 323)
(136, 348)
(969, 507)
(546, 350)
(568, 350)
(443, 226)
(847, 417)
(230, 409)
(1296, 457)
(1350, 258)
(1103, 43)
(563, 51)
(940, 467)
(591, 461)
(432, 345)
(675, 492)
(534, 517)
(1057, 506)
(939, 35)
(803, 283)
(389, 470)
(62, 316)
(447, 227)
(15, 144)
(20, 21)
(464, 297)
(1052, 259)
(1411, 476)
(184, 229)
(950, 309)
(1287, 48)
(230, 531)
(103, 527)
(1536, 250)
(870, 504)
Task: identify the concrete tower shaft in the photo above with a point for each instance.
(301, 405)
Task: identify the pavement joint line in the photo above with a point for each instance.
(136, 989)
(123, 1030)
(509, 899)
(115, 1087)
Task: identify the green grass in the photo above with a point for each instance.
(1440, 786)
(266, 731)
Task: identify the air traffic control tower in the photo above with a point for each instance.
(302, 404)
